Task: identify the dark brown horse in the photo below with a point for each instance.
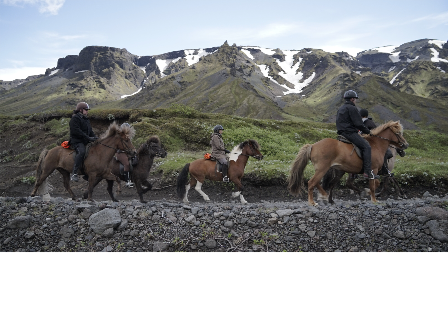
(333, 176)
(95, 165)
(145, 157)
(333, 153)
(202, 169)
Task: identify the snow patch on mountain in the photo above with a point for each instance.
(393, 79)
(386, 49)
(438, 43)
(247, 53)
(289, 73)
(436, 56)
(191, 58)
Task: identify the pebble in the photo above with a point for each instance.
(61, 224)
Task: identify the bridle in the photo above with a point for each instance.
(253, 150)
(400, 143)
(128, 151)
(155, 148)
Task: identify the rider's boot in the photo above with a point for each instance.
(74, 176)
(129, 183)
(224, 173)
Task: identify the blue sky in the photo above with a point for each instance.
(35, 33)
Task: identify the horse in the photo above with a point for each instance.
(95, 165)
(333, 176)
(328, 153)
(202, 169)
(140, 171)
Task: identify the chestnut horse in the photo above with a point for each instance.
(333, 176)
(140, 171)
(328, 153)
(115, 139)
(202, 169)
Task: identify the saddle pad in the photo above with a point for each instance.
(342, 138)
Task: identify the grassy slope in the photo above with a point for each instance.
(185, 134)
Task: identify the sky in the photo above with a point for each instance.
(34, 34)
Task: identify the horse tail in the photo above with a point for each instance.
(295, 180)
(328, 177)
(182, 180)
(44, 187)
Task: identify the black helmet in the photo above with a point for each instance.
(350, 94)
(364, 113)
(217, 128)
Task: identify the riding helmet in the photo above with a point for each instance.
(350, 94)
(82, 106)
(217, 128)
(364, 113)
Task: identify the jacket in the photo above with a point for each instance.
(80, 129)
(218, 149)
(369, 123)
(349, 120)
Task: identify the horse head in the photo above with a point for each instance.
(392, 131)
(123, 135)
(251, 148)
(153, 147)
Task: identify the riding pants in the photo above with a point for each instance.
(79, 157)
(224, 167)
(362, 143)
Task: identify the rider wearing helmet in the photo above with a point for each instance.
(218, 150)
(348, 123)
(123, 158)
(81, 134)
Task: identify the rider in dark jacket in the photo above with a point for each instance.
(348, 123)
(81, 134)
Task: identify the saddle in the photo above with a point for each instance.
(219, 165)
(342, 138)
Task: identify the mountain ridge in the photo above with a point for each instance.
(247, 81)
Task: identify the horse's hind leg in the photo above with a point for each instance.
(66, 180)
(314, 182)
(110, 190)
(199, 190)
(39, 181)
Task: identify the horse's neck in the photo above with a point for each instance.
(103, 151)
(381, 143)
(145, 160)
(242, 160)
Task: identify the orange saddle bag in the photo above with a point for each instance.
(65, 144)
(207, 156)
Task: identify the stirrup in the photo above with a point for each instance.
(225, 179)
(74, 178)
(129, 184)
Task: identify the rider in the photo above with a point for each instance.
(348, 122)
(123, 158)
(218, 150)
(81, 134)
(371, 125)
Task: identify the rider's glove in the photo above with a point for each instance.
(226, 151)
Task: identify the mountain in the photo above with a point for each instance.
(406, 82)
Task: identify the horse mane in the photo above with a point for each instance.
(251, 142)
(114, 129)
(144, 147)
(395, 126)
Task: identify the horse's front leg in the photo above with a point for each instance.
(373, 184)
(240, 187)
(93, 181)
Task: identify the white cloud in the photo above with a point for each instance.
(434, 20)
(9, 74)
(45, 6)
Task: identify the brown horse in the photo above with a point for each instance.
(333, 153)
(95, 165)
(333, 176)
(206, 169)
(140, 171)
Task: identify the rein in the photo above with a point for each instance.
(400, 144)
(117, 150)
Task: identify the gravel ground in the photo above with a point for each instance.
(60, 224)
